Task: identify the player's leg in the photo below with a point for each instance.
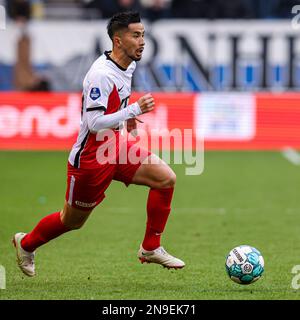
(48, 228)
(161, 179)
(85, 190)
(54, 225)
(74, 218)
(156, 174)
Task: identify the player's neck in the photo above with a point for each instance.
(120, 58)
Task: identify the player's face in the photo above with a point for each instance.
(133, 41)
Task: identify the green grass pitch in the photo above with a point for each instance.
(241, 198)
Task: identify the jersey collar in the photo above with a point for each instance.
(109, 58)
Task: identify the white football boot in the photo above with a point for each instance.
(25, 259)
(160, 256)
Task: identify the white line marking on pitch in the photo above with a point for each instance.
(191, 210)
(200, 210)
(291, 155)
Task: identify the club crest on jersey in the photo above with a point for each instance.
(95, 93)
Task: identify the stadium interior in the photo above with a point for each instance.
(225, 76)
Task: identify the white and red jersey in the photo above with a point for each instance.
(106, 89)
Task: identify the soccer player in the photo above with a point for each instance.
(106, 90)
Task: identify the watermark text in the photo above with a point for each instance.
(133, 149)
(296, 279)
(296, 19)
(2, 278)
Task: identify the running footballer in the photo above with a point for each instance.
(106, 91)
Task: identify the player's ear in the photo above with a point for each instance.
(117, 40)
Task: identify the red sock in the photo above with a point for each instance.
(47, 229)
(158, 209)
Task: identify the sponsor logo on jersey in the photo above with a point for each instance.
(85, 205)
(95, 94)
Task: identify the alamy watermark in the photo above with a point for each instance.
(296, 19)
(2, 278)
(2, 18)
(296, 279)
(131, 148)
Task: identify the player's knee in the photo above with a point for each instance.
(77, 226)
(72, 225)
(168, 180)
(73, 218)
(171, 180)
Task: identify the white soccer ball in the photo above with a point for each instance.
(244, 264)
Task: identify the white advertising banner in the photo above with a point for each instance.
(180, 55)
(226, 116)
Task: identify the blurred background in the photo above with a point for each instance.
(193, 45)
(238, 60)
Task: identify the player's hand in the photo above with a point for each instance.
(146, 103)
(131, 124)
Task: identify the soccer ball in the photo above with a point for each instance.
(244, 264)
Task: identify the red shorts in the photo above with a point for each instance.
(86, 187)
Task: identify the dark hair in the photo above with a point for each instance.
(121, 21)
(20, 9)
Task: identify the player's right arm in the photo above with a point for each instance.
(99, 87)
